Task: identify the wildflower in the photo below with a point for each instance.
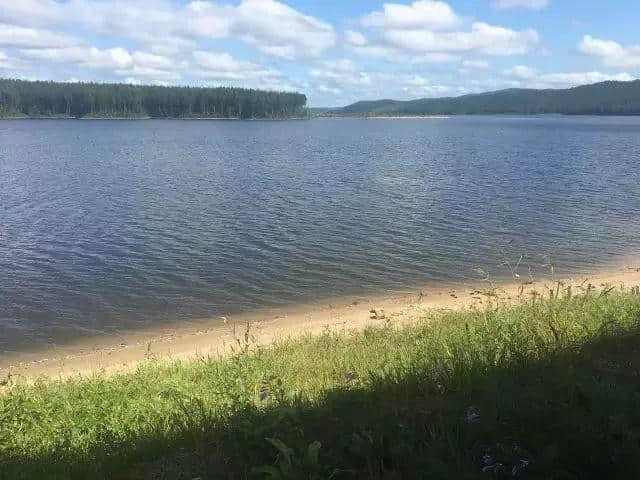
(264, 393)
(350, 377)
(495, 468)
(520, 467)
(472, 415)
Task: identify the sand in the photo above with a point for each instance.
(111, 354)
(406, 117)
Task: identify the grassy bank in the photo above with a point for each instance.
(547, 389)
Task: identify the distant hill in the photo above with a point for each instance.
(605, 98)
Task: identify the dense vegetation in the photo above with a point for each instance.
(46, 99)
(606, 98)
(547, 389)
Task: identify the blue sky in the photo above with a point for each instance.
(335, 51)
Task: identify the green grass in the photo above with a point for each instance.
(551, 387)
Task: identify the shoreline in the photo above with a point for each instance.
(406, 117)
(384, 117)
(220, 336)
(156, 118)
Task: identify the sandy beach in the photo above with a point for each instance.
(221, 336)
(406, 117)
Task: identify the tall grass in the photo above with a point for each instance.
(545, 389)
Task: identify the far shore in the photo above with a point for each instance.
(123, 352)
(148, 118)
(407, 117)
(385, 117)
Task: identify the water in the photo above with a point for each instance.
(108, 225)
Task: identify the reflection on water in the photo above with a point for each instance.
(108, 225)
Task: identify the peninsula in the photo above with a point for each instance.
(24, 99)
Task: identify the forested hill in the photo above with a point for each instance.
(606, 98)
(102, 100)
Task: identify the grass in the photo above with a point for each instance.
(549, 389)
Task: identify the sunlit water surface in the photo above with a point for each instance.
(107, 225)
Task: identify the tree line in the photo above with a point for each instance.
(44, 98)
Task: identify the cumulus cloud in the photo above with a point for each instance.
(277, 29)
(468, 66)
(180, 41)
(16, 36)
(431, 31)
(532, 78)
(152, 22)
(610, 53)
(4, 60)
(522, 72)
(582, 78)
(268, 25)
(222, 66)
(379, 49)
(141, 66)
(529, 4)
(355, 38)
(475, 64)
(423, 14)
(483, 38)
(91, 57)
(346, 72)
(345, 78)
(326, 89)
(117, 61)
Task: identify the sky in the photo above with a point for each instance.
(335, 51)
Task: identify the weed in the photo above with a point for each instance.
(545, 389)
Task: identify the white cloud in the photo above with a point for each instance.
(434, 91)
(416, 81)
(530, 4)
(422, 14)
(560, 80)
(221, 66)
(430, 31)
(326, 89)
(476, 64)
(268, 25)
(144, 81)
(277, 29)
(344, 79)
(610, 53)
(468, 66)
(531, 78)
(145, 67)
(12, 65)
(346, 72)
(522, 72)
(15, 36)
(355, 38)
(113, 58)
(483, 38)
(150, 60)
(116, 61)
(138, 20)
(4, 60)
(395, 54)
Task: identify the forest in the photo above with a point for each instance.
(605, 98)
(37, 99)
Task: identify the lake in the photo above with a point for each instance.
(110, 225)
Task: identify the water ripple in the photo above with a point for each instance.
(109, 225)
